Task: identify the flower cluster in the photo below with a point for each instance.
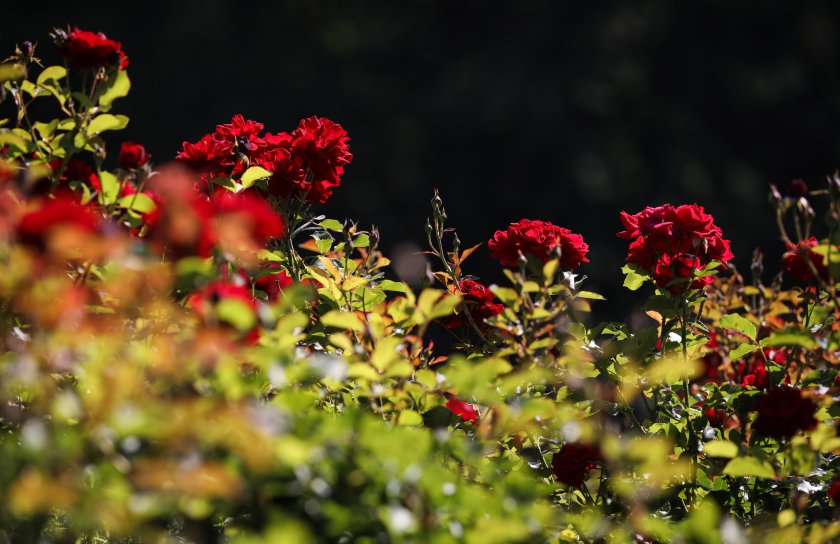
(541, 240)
(672, 244)
(306, 163)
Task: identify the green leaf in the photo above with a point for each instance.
(342, 320)
(409, 418)
(106, 121)
(390, 285)
(749, 466)
(110, 187)
(632, 278)
(252, 174)
(117, 87)
(13, 140)
(51, 73)
(140, 203)
(790, 337)
(590, 295)
(739, 324)
(721, 448)
(741, 350)
(12, 71)
(236, 312)
(332, 224)
(362, 240)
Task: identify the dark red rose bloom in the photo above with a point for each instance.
(539, 239)
(783, 412)
(320, 148)
(76, 170)
(478, 301)
(668, 269)
(132, 156)
(666, 230)
(574, 461)
(88, 49)
(797, 189)
(264, 222)
(834, 491)
(463, 410)
(62, 212)
(794, 260)
(273, 280)
(757, 376)
(716, 417)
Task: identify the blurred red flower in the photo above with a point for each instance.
(574, 461)
(132, 156)
(783, 412)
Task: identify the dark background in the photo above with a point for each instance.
(562, 111)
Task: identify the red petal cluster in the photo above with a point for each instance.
(574, 461)
(309, 162)
(795, 263)
(478, 301)
(463, 410)
(262, 221)
(88, 49)
(541, 240)
(783, 412)
(132, 156)
(672, 242)
(834, 491)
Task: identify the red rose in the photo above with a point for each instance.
(757, 376)
(797, 189)
(88, 49)
(478, 301)
(228, 151)
(462, 409)
(834, 491)
(666, 230)
(64, 212)
(320, 148)
(541, 240)
(794, 261)
(682, 267)
(75, 170)
(573, 462)
(132, 156)
(783, 412)
(716, 417)
(308, 162)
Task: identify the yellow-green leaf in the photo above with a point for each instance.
(749, 466)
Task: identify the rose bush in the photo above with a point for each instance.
(189, 352)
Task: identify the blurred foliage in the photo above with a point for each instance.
(142, 402)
